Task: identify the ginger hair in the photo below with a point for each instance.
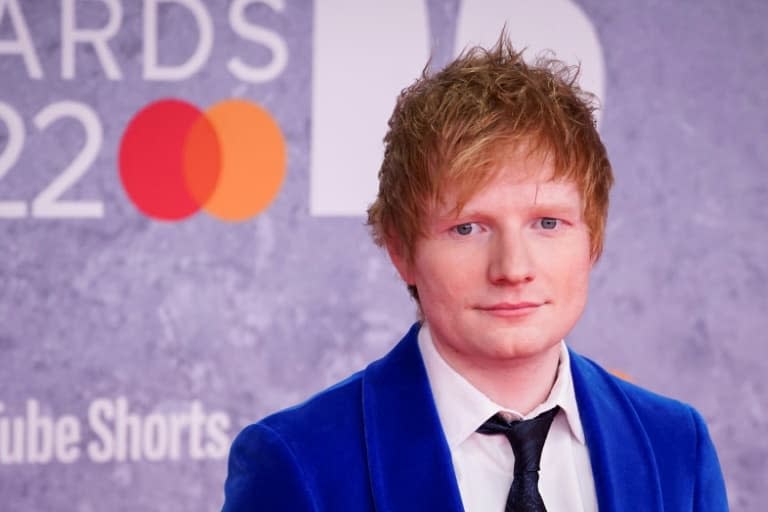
(452, 129)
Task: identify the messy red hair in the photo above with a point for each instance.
(455, 127)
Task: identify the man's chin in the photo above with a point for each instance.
(522, 348)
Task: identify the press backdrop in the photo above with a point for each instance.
(141, 326)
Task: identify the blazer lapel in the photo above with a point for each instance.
(623, 464)
(408, 457)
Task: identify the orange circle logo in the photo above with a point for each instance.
(229, 161)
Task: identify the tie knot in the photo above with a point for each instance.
(525, 436)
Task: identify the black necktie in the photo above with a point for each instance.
(527, 439)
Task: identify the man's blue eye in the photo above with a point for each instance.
(548, 223)
(464, 229)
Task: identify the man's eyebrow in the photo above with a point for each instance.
(555, 205)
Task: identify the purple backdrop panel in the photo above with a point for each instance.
(141, 327)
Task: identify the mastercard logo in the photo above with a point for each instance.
(176, 160)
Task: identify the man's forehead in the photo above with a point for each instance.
(533, 189)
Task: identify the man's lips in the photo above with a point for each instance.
(511, 308)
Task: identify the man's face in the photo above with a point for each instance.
(506, 278)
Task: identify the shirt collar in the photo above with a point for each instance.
(463, 408)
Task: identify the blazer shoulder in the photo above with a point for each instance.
(263, 471)
(338, 409)
(675, 432)
(299, 458)
(648, 404)
(342, 402)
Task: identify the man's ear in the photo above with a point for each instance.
(401, 262)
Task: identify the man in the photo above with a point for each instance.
(492, 206)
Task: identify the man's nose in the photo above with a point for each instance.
(511, 261)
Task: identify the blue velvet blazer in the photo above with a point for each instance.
(374, 442)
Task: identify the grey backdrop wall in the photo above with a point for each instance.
(133, 349)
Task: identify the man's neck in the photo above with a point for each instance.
(519, 384)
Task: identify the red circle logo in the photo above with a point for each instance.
(229, 161)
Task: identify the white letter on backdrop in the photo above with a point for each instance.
(153, 70)
(97, 38)
(268, 38)
(23, 45)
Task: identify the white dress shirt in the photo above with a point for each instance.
(484, 464)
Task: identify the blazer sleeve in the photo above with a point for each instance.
(709, 490)
(263, 474)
